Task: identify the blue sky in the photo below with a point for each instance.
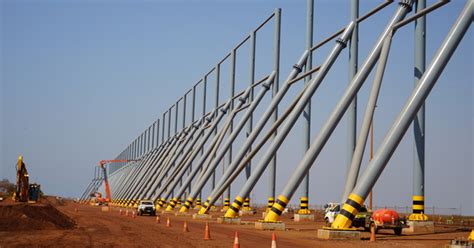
(81, 79)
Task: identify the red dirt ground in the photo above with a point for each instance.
(110, 229)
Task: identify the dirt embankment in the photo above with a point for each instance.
(27, 217)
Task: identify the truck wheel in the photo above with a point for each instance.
(398, 231)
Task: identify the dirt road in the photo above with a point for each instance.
(110, 229)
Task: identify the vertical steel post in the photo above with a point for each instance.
(140, 144)
(275, 86)
(148, 132)
(157, 132)
(418, 206)
(253, 44)
(353, 64)
(233, 58)
(183, 125)
(153, 135)
(193, 109)
(405, 118)
(133, 150)
(163, 128)
(306, 139)
(216, 105)
(169, 120)
(204, 94)
(176, 118)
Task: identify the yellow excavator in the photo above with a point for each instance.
(22, 182)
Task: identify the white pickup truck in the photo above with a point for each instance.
(146, 207)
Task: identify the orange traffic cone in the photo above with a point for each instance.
(236, 240)
(75, 210)
(207, 232)
(126, 213)
(133, 214)
(185, 226)
(372, 232)
(157, 219)
(168, 222)
(274, 241)
(120, 211)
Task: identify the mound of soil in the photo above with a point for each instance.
(27, 217)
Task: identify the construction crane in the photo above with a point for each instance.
(108, 195)
(22, 181)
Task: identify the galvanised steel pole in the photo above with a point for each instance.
(353, 172)
(306, 139)
(140, 144)
(275, 87)
(233, 56)
(163, 128)
(405, 118)
(418, 206)
(153, 137)
(169, 120)
(193, 110)
(353, 63)
(336, 115)
(176, 117)
(183, 124)
(253, 44)
(291, 120)
(157, 133)
(216, 102)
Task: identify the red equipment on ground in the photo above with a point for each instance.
(385, 216)
(388, 219)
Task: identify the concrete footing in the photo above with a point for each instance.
(182, 214)
(338, 234)
(419, 227)
(279, 226)
(303, 217)
(202, 216)
(246, 212)
(226, 220)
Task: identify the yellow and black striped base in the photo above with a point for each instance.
(247, 205)
(348, 212)
(234, 208)
(418, 209)
(271, 200)
(304, 206)
(277, 209)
